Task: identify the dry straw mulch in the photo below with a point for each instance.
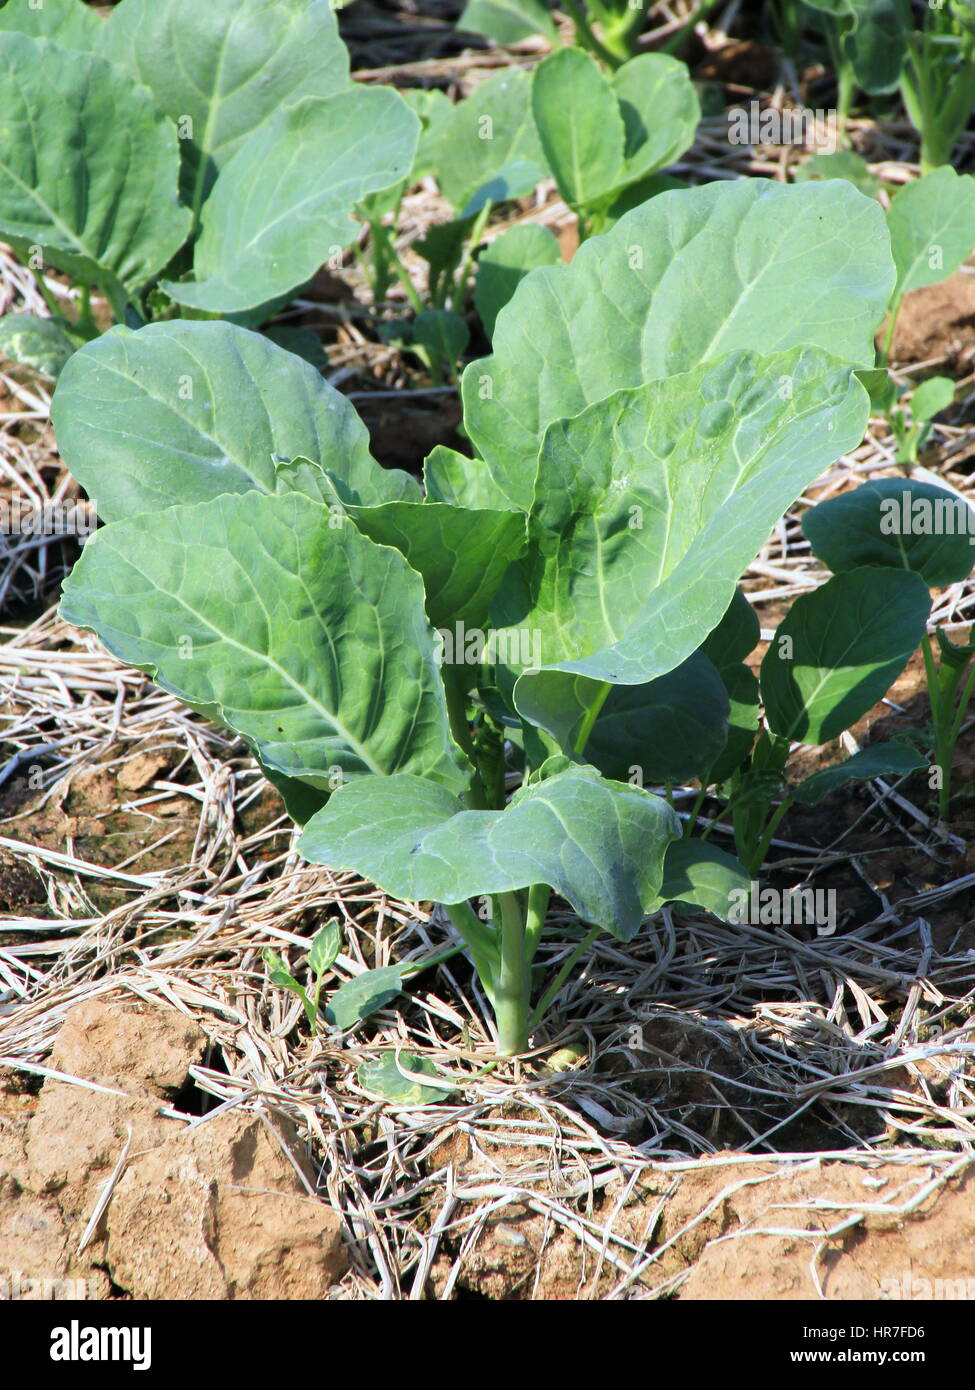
(140, 855)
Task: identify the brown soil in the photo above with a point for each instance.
(938, 321)
(714, 1233)
(215, 1211)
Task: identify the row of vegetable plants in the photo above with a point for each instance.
(480, 688)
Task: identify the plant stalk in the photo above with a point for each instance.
(513, 983)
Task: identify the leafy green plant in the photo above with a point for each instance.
(831, 659)
(912, 423)
(482, 151)
(606, 138)
(608, 29)
(867, 42)
(932, 232)
(877, 46)
(938, 78)
(398, 661)
(900, 527)
(196, 161)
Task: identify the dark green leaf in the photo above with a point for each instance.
(365, 994)
(839, 650)
(879, 760)
(896, 522)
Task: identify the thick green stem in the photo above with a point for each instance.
(513, 984)
(695, 810)
(889, 335)
(461, 730)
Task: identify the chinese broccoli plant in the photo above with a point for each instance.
(909, 531)
(609, 29)
(605, 139)
(182, 158)
(449, 684)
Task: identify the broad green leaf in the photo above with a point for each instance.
(638, 546)
(461, 553)
(281, 205)
(461, 481)
(735, 638)
(744, 699)
(599, 844)
(699, 873)
(43, 344)
(660, 112)
(98, 191)
(684, 279)
(897, 522)
(579, 124)
(310, 641)
(396, 1076)
(443, 334)
(223, 69)
(181, 412)
(505, 263)
(931, 397)
(879, 760)
(365, 994)
(932, 228)
(324, 949)
(843, 164)
(68, 23)
(839, 649)
(508, 21)
(669, 730)
(489, 148)
(877, 47)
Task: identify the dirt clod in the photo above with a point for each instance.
(218, 1212)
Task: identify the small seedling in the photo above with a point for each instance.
(322, 955)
